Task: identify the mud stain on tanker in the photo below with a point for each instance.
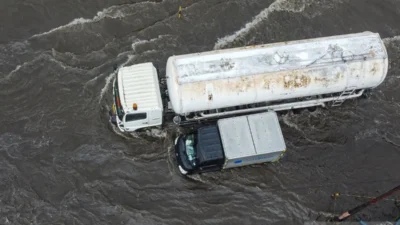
(226, 64)
(372, 53)
(375, 68)
(285, 80)
(324, 81)
(243, 84)
(238, 85)
(296, 80)
(266, 83)
(196, 90)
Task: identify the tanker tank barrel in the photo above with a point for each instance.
(341, 66)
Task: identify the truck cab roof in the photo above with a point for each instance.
(138, 84)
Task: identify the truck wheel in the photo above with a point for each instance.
(312, 109)
(297, 111)
(367, 94)
(283, 112)
(177, 120)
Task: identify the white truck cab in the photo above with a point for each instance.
(137, 98)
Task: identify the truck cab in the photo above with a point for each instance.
(200, 151)
(137, 100)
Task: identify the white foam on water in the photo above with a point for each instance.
(278, 5)
(60, 63)
(368, 133)
(139, 42)
(70, 24)
(114, 12)
(390, 141)
(19, 67)
(91, 81)
(117, 131)
(391, 39)
(154, 132)
(63, 65)
(196, 177)
(107, 84)
(16, 69)
(286, 120)
(289, 123)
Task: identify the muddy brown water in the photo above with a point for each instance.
(61, 162)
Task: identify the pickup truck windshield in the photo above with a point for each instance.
(190, 149)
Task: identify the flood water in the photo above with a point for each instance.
(61, 162)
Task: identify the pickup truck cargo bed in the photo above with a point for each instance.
(251, 139)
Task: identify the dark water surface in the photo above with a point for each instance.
(62, 163)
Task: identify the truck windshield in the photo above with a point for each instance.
(190, 149)
(119, 110)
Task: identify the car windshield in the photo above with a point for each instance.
(117, 102)
(190, 149)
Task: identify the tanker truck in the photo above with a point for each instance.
(217, 84)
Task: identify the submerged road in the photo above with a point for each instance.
(62, 163)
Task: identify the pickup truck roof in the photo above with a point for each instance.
(209, 146)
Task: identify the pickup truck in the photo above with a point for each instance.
(231, 142)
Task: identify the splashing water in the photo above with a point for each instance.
(294, 6)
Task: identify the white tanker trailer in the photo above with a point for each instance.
(229, 82)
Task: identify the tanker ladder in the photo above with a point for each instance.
(343, 97)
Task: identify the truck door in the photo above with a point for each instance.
(136, 120)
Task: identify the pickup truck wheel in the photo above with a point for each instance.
(183, 172)
(176, 140)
